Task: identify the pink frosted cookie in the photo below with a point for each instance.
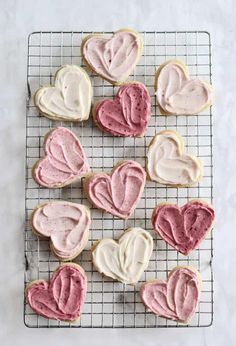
(183, 228)
(63, 297)
(64, 162)
(128, 114)
(113, 58)
(66, 224)
(177, 93)
(176, 298)
(118, 192)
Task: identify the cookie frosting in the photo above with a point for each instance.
(167, 163)
(67, 225)
(175, 299)
(64, 160)
(114, 58)
(63, 297)
(119, 192)
(178, 94)
(126, 259)
(70, 98)
(183, 228)
(128, 114)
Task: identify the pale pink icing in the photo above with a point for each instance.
(128, 114)
(183, 228)
(67, 224)
(64, 160)
(177, 94)
(63, 297)
(175, 299)
(113, 58)
(119, 192)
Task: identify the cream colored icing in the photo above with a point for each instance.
(70, 98)
(113, 58)
(167, 162)
(178, 94)
(67, 225)
(125, 260)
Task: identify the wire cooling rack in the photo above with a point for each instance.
(109, 303)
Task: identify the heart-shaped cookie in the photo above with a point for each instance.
(64, 161)
(63, 297)
(176, 298)
(70, 97)
(128, 114)
(125, 260)
(177, 93)
(183, 228)
(66, 224)
(118, 192)
(167, 162)
(113, 58)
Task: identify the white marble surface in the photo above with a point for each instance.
(17, 20)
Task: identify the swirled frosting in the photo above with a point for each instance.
(64, 160)
(113, 58)
(69, 98)
(126, 259)
(128, 114)
(175, 299)
(119, 192)
(67, 225)
(183, 228)
(177, 93)
(63, 297)
(167, 163)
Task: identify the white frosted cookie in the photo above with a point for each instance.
(126, 259)
(167, 162)
(177, 93)
(70, 97)
(115, 58)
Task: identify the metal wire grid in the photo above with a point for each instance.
(109, 303)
